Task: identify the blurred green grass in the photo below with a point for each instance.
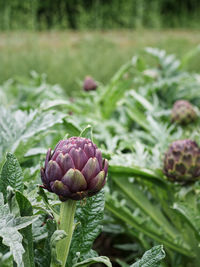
(69, 56)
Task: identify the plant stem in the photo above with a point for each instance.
(66, 223)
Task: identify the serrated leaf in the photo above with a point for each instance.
(143, 225)
(11, 175)
(89, 217)
(9, 226)
(37, 127)
(41, 122)
(90, 261)
(135, 195)
(8, 130)
(151, 258)
(26, 210)
(57, 236)
(12, 126)
(43, 230)
(22, 130)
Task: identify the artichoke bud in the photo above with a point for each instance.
(183, 112)
(182, 161)
(75, 170)
(89, 84)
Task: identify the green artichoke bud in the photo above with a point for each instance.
(182, 161)
(183, 112)
(75, 170)
(89, 84)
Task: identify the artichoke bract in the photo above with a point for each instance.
(183, 112)
(182, 161)
(89, 84)
(75, 169)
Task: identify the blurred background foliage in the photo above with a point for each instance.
(67, 56)
(69, 39)
(98, 14)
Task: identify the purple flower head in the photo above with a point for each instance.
(183, 112)
(75, 169)
(89, 84)
(182, 161)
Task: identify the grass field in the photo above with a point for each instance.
(67, 57)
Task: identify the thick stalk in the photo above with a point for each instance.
(66, 223)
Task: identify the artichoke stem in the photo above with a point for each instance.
(66, 223)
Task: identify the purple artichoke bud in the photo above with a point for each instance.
(182, 161)
(183, 112)
(89, 84)
(75, 170)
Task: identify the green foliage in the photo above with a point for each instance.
(66, 58)
(151, 258)
(10, 226)
(129, 120)
(93, 260)
(17, 215)
(88, 216)
(22, 129)
(55, 238)
(97, 14)
(11, 175)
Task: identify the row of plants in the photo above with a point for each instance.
(125, 163)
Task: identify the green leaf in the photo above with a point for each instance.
(35, 129)
(88, 218)
(23, 130)
(9, 231)
(11, 175)
(87, 132)
(114, 91)
(136, 115)
(191, 216)
(6, 260)
(8, 129)
(43, 230)
(49, 207)
(135, 195)
(60, 102)
(122, 263)
(57, 236)
(72, 129)
(36, 151)
(136, 171)
(151, 258)
(143, 101)
(90, 261)
(143, 225)
(26, 210)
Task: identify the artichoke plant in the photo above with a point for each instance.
(89, 84)
(182, 161)
(75, 170)
(183, 112)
